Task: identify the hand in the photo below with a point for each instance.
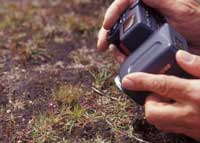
(183, 116)
(183, 15)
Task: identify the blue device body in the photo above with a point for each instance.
(157, 56)
(138, 22)
(150, 44)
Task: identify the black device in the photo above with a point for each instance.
(150, 44)
(134, 26)
(157, 56)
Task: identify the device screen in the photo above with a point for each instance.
(129, 22)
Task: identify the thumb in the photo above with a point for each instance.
(189, 62)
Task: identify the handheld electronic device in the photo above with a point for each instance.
(134, 26)
(157, 56)
(150, 44)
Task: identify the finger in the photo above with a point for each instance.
(170, 117)
(102, 42)
(117, 54)
(111, 16)
(167, 116)
(170, 127)
(159, 113)
(172, 9)
(193, 134)
(166, 6)
(167, 86)
(189, 62)
(114, 12)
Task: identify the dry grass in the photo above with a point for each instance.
(55, 86)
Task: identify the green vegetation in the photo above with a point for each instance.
(67, 95)
(54, 86)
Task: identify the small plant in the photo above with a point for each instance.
(77, 113)
(78, 59)
(42, 130)
(67, 94)
(1, 111)
(100, 76)
(76, 116)
(82, 1)
(47, 127)
(81, 24)
(98, 139)
(71, 113)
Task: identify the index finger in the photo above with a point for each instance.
(114, 12)
(112, 15)
(167, 86)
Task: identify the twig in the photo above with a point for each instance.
(140, 140)
(98, 91)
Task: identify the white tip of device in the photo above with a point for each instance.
(118, 83)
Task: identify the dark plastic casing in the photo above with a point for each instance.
(135, 25)
(156, 55)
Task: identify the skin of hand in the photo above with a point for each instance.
(182, 116)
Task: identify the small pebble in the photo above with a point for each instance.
(8, 111)
(30, 102)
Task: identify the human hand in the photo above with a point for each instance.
(183, 15)
(181, 117)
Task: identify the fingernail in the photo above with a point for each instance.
(186, 57)
(127, 83)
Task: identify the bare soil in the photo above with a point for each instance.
(47, 44)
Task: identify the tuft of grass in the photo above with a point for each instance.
(82, 1)
(100, 77)
(80, 24)
(77, 113)
(78, 59)
(49, 126)
(67, 94)
(98, 139)
(24, 52)
(15, 16)
(42, 129)
(76, 117)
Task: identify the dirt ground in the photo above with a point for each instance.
(55, 86)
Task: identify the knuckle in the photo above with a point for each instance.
(161, 85)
